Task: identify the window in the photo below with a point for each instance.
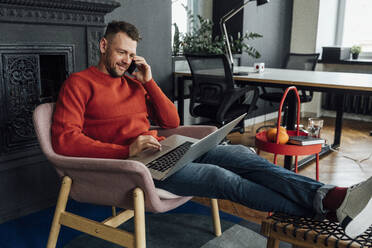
(179, 15)
(354, 26)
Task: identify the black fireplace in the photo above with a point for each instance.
(32, 74)
(41, 43)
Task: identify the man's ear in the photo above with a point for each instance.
(103, 44)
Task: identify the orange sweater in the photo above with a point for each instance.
(99, 116)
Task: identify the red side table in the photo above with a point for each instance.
(288, 149)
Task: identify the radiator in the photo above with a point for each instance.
(356, 104)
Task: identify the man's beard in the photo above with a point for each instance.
(111, 69)
(113, 72)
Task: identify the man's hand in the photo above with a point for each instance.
(143, 73)
(143, 142)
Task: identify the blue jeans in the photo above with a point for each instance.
(235, 173)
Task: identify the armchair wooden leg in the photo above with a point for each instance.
(139, 218)
(216, 217)
(272, 243)
(60, 208)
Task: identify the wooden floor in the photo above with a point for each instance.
(340, 168)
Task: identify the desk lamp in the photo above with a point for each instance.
(223, 21)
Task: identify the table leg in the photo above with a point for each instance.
(340, 99)
(292, 113)
(180, 98)
(290, 123)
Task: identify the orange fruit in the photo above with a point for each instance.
(283, 136)
(270, 134)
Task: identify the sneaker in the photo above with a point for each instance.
(355, 212)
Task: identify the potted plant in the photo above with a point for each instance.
(355, 50)
(199, 39)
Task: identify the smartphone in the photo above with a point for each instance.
(132, 67)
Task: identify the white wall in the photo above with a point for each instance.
(304, 26)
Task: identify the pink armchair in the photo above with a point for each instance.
(113, 182)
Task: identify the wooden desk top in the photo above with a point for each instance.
(321, 79)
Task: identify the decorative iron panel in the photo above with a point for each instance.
(21, 77)
(22, 88)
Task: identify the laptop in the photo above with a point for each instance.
(178, 150)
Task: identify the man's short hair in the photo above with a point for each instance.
(115, 27)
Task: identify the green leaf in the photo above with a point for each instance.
(200, 40)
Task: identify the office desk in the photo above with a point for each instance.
(335, 82)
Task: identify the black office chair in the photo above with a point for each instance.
(214, 94)
(294, 61)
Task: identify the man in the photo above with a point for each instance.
(103, 113)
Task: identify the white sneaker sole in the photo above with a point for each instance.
(361, 222)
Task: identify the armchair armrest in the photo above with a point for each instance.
(195, 131)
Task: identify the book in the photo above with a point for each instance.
(305, 140)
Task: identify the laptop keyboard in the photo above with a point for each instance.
(169, 159)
